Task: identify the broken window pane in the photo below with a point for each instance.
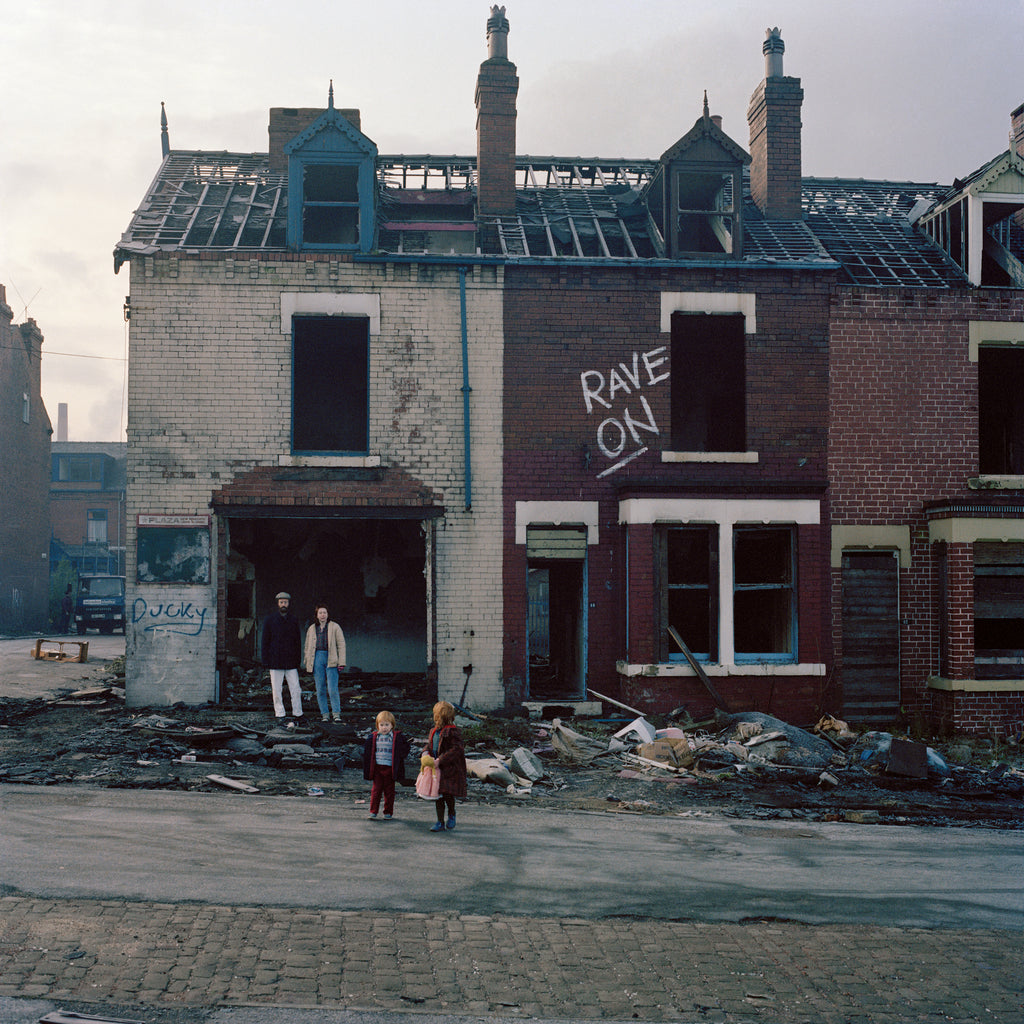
(691, 577)
(704, 205)
(330, 209)
(764, 595)
(330, 384)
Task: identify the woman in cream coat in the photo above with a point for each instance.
(325, 656)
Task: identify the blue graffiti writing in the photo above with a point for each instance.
(182, 617)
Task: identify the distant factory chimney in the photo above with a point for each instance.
(62, 421)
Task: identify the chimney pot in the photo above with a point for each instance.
(497, 34)
(773, 48)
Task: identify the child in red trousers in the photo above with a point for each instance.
(384, 756)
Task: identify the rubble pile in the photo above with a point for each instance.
(746, 765)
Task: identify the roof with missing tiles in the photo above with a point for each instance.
(566, 208)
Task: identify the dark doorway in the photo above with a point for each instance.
(557, 621)
(370, 573)
(871, 634)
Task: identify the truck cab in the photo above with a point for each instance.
(100, 603)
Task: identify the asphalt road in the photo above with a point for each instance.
(304, 852)
(22, 676)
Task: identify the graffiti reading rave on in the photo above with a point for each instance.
(624, 383)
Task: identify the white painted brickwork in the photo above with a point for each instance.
(209, 398)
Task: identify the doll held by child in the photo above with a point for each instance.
(446, 747)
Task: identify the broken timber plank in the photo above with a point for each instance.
(222, 780)
(696, 666)
(618, 704)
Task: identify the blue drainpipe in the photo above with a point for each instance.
(466, 389)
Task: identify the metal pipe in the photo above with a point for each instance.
(466, 389)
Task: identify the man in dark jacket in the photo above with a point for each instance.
(281, 653)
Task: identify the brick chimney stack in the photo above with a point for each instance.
(496, 88)
(774, 119)
(1017, 130)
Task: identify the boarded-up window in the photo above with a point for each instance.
(708, 382)
(998, 610)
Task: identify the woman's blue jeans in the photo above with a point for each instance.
(326, 680)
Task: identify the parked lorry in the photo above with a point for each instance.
(100, 603)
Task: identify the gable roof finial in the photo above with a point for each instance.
(165, 139)
(330, 96)
(707, 112)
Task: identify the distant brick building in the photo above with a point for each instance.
(87, 504)
(24, 476)
(678, 431)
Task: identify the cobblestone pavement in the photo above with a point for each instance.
(164, 955)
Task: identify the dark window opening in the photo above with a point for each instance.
(330, 384)
(764, 595)
(708, 382)
(998, 610)
(704, 205)
(690, 591)
(1000, 410)
(330, 210)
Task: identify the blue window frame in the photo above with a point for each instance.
(764, 595)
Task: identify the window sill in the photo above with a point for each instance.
(361, 461)
(976, 685)
(996, 483)
(673, 669)
(750, 457)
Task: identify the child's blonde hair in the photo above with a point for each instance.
(385, 716)
(444, 713)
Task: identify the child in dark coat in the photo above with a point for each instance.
(384, 756)
(445, 745)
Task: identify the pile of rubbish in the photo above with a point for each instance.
(748, 745)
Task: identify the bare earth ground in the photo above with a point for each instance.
(94, 740)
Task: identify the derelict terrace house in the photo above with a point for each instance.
(659, 429)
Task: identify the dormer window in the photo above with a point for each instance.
(331, 185)
(978, 223)
(330, 204)
(705, 216)
(697, 194)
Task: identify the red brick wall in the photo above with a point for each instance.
(903, 427)
(775, 168)
(990, 713)
(561, 322)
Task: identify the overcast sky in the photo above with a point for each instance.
(910, 89)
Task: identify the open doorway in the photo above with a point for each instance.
(369, 572)
(556, 616)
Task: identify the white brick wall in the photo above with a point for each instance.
(209, 398)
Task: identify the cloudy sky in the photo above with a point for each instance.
(909, 89)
